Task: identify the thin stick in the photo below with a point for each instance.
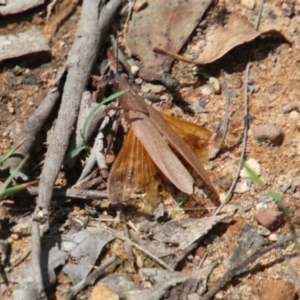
(224, 127)
(244, 142)
(236, 269)
(130, 6)
(258, 17)
(94, 23)
(36, 255)
(155, 258)
(75, 193)
(183, 254)
(246, 123)
(89, 280)
(21, 259)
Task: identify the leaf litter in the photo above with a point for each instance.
(170, 23)
(185, 231)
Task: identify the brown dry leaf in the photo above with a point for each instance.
(166, 24)
(225, 39)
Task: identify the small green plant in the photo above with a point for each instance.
(93, 111)
(276, 197)
(212, 80)
(75, 152)
(5, 190)
(180, 201)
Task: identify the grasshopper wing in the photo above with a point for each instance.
(134, 178)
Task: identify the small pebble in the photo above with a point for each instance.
(253, 165)
(193, 296)
(220, 295)
(134, 69)
(235, 297)
(10, 108)
(267, 133)
(282, 179)
(224, 183)
(288, 108)
(223, 197)
(139, 5)
(153, 88)
(14, 236)
(273, 237)
(263, 231)
(261, 205)
(269, 218)
(202, 103)
(152, 97)
(233, 94)
(206, 90)
(138, 81)
(195, 108)
(294, 115)
(178, 111)
(285, 187)
(263, 198)
(45, 76)
(243, 186)
(249, 3)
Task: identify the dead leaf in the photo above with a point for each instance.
(166, 24)
(118, 284)
(27, 289)
(186, 232)
(223, 40)
(157, 248)
(84, 246)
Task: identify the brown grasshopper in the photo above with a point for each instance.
(150, 152)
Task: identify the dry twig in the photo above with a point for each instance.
(93, 26)
(155, 258)
(246, 123)
(224, 127)
(244, 143)
(241, 266)
(89, 280)
(76, 193)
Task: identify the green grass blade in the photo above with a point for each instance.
(8, 181)
(9, 153)
(17, 188)
(275, 196)
(93, 111)
(212, 80)
(253, 176)
(73, 153)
